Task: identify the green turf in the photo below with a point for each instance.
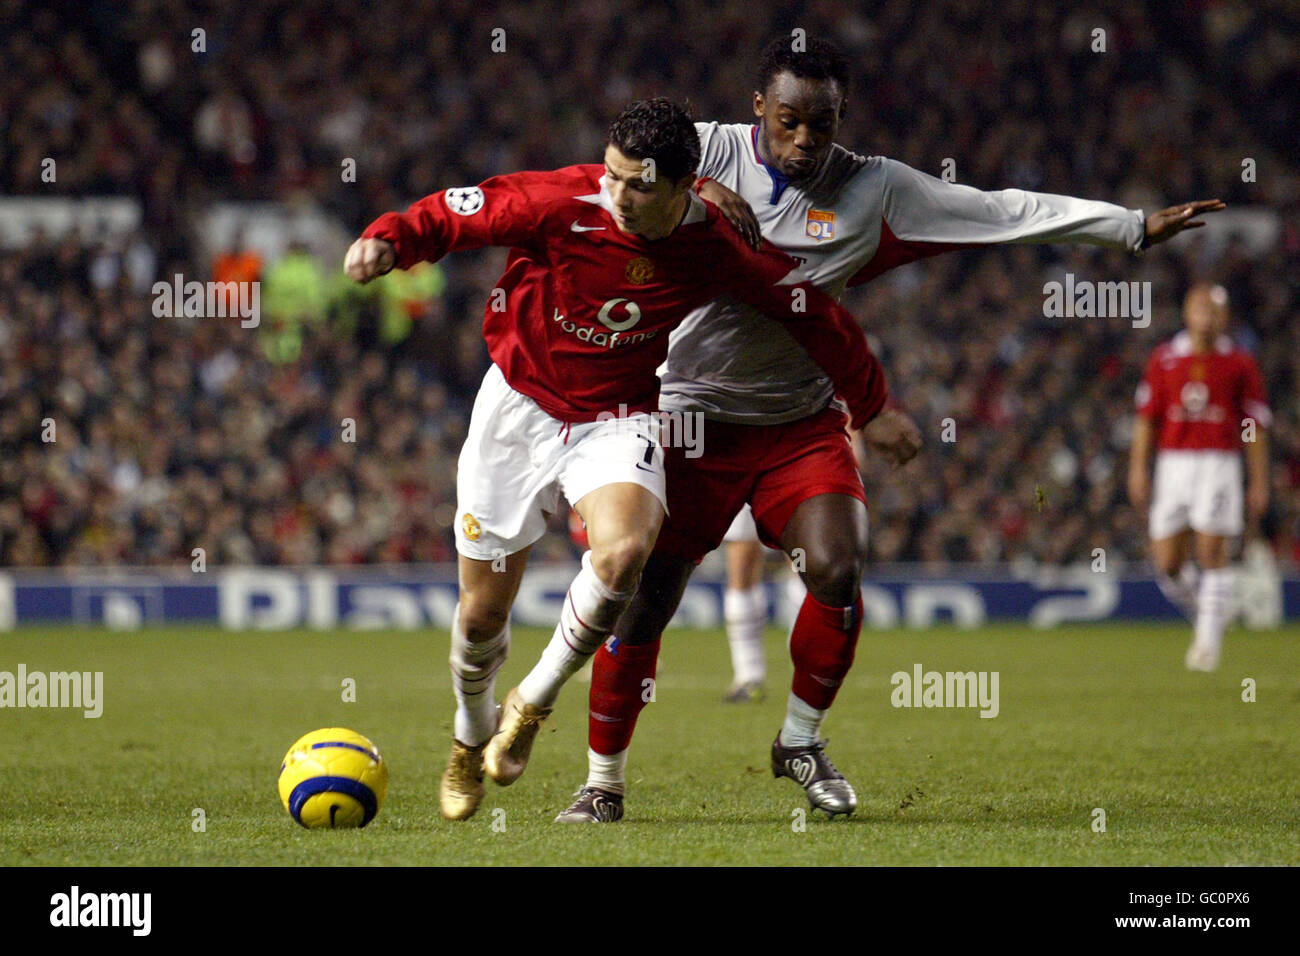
(1090, 717)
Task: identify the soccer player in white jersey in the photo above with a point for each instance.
(605, 260)
(775, 437)
(1202, 401)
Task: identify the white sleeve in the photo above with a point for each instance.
(921, 208)
(714, 150)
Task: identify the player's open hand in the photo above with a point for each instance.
(369, 258)
(1168, 223)
(893, 434)
(735, 210)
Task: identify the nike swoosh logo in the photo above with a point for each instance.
(577, 228)
(644, 468)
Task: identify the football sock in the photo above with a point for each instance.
(1213, 606)
(1180, 594)
(803, 723)
(619, 692)
(822, 645)
(591, 609)
(607, 772)
(745, 613)
(473, 676)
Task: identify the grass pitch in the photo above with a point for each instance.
(1089, 718)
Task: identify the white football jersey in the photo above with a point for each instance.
(856, 219)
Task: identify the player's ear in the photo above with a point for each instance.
(758, 104)
(684, 184)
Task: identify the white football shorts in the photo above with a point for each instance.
(517, 461)
(742, 527)
(1201, 490)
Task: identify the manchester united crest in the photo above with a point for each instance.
(639, 271)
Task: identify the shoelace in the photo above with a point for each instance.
(466, 768)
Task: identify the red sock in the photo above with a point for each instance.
(618, 693)
(822, 646)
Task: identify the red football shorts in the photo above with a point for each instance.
(773, 467)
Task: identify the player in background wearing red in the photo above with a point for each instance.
(605, 260)
(848, 219)
(1202, 402)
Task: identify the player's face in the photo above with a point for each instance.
(1205, 313)
(645, 204)
(800, 119)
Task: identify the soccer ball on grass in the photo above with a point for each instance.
(333, 778)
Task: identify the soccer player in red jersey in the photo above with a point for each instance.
(1202, 401)
(776, 439)
(605, 260)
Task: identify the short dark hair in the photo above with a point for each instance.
(661, 130)
(819, 60)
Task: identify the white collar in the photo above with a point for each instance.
(1182, 344)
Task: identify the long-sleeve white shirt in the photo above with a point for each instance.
(858, 218)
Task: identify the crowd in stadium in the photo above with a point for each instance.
(129, 438)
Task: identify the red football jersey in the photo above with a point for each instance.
(579, 322)
(1199, 400)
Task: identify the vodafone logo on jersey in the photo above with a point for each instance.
(1196, 407)
(1195, 396)
(630, 309)
(617, 315)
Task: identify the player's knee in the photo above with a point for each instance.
(834, 579)
(618, 563)
(1169, 568)
(482, 620)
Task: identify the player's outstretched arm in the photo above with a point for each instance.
(502, 211)
(928, 216)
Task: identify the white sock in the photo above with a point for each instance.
(590, 611)
(1180, 591)
(745, 612)
(473, 676)
(1212, 607)
(803, 723)
(607, 772)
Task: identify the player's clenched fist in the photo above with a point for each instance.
(894, 435)
(369, 258)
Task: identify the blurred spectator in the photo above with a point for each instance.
(179, 433)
